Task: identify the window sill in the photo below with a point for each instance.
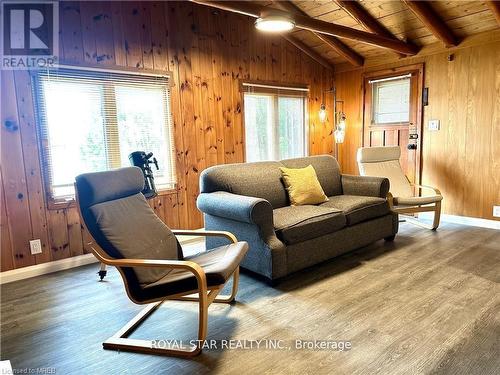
(55, 205)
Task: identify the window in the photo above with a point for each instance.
(91, 120)
(275, 126)
(391, 101)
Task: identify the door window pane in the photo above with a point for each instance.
(391, 101)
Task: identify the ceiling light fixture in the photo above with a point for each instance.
(274, 22)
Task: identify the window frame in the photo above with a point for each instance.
(53, 203)
(266, 88)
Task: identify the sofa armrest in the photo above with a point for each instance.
(365, 185)
(236, 207)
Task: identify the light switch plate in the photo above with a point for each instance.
(433, 125)
(35, 247)
(496, 211)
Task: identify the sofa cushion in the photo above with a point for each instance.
(358, 208)
(259, 180)
(303, 186)
(326, 167)
(300, 223)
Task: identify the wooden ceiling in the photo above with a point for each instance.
(463, 18)
(412, 23)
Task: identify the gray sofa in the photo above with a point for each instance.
(251, 201)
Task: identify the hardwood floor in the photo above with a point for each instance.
(427, 303)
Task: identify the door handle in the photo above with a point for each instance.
(412, 146)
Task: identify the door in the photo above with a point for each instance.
(393, 114)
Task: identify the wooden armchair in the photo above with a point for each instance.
(384, 162)
(148, 256)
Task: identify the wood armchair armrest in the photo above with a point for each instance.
(205, 233)
(436, 190)
(390, 200)
(192, 267)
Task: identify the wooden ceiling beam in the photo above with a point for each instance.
(360, 14)
(342, 49)
(338, 46)
(307, 50)
(365, 19)
(434, 23)
(307, 23)
(495, 9)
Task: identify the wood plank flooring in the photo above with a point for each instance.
(428, 303)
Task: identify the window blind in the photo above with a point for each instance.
(391, 101)
(275, 89)
(91, 119)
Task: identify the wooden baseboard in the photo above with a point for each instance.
(64, 264)
(45, 268)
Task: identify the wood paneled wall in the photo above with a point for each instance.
(208, 54)
(462, 159)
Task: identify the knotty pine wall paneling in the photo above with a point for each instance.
(462, 159)
(208, 52)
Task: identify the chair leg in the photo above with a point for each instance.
(202, 319)
(435, 223)
(234, 289)
(120, 340)
(437, 216)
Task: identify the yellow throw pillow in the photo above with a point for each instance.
(303, 186)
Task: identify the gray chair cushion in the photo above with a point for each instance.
(132, 228)
(327, 169)
(100, 187)
(259, 180)
(300, 223)
(218, 264)
(358, 208)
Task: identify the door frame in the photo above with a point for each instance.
(401, 70)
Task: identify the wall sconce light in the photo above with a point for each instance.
(340, 117)
(339, 132)
(339, 136)
(322, 112)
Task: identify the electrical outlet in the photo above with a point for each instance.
(496, 211)
(433, 125)
(36, 247)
